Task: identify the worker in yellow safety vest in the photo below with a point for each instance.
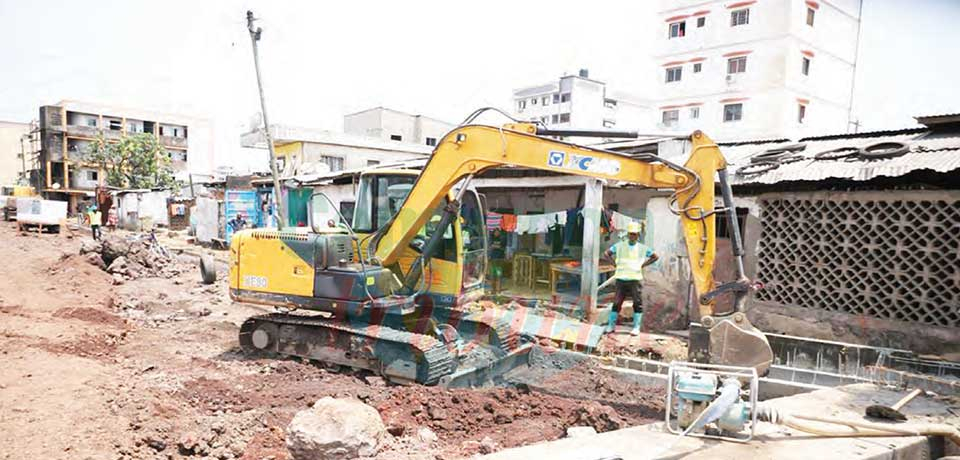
(630, 257)
(95, 220)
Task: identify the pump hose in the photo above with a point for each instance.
(841, 428)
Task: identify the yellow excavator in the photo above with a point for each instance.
(382, 294)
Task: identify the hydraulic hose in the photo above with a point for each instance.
(844, 428)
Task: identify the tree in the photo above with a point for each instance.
(137, 161)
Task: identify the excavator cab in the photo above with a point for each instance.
(455, 273)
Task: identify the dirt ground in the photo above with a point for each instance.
(98, 368)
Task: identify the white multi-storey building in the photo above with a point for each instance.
(756, 69)
(578, 102)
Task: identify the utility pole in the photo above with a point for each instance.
(254, 38)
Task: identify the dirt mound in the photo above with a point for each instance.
(94, 346)
(132, 257)
(90, 315)
(586, 380)
(508, 417)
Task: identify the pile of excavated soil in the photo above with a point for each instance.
(507, 417)
(131, 257)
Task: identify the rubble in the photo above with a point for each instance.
(335, 429)
(130, 257)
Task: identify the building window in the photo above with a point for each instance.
(673, 74)
(566, 97)
(556, 98)
(737, 65)
(92, 122)
(609, 123)
(697, 67)
(90, 175)
(544, 119)
(732, 112)
(701, 21)
(335, 163)
(521, 104)
(431, 141)
(670, 117)
(396, 137)
(533, 101)
(115, 125)
(678, 29)
(810, 14)
(740, 17)
(545, 100)
(610, 103)
(801, 113)
(805, 67)
(694, 112)
(373, 162)
(564, 118)
(554, 119)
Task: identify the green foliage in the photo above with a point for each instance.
(136, 161)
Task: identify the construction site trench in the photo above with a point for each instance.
(117, 350)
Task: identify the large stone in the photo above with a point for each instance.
(335, 429)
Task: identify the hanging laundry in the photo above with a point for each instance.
(508, 222)
(573, 230)
(524, 223)
(620, 221)
(494, 221)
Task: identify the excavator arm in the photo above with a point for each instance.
(722, 338)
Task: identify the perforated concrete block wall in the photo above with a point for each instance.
(893, 255)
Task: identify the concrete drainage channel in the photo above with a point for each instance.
(801, 365)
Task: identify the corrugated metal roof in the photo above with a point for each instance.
(937, 152)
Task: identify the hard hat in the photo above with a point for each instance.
(633, 227)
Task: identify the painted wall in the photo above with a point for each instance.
(10, 164)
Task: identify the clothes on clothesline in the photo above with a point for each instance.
(494, 221)
(620, 221)
(540, 223)
(509, 223)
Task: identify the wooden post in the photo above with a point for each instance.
(590, 259)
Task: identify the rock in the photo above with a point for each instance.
(335, 429)
(204, 311)
(395, 430)
(436, 413)
(188, 443)
(94, 259)
(487, 446)
(118, 265)
(117, 279)
(427, 435)
(580, 431)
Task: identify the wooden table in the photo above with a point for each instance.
(558, 268)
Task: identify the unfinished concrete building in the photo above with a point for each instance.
(68, 128)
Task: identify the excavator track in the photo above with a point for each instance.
(398, 355)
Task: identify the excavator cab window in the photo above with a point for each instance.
(378, 200)
(473, 235)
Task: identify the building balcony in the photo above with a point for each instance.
(89, 132)
(171, 141)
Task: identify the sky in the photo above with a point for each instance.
(321, 60)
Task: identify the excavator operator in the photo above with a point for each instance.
(630, 257)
